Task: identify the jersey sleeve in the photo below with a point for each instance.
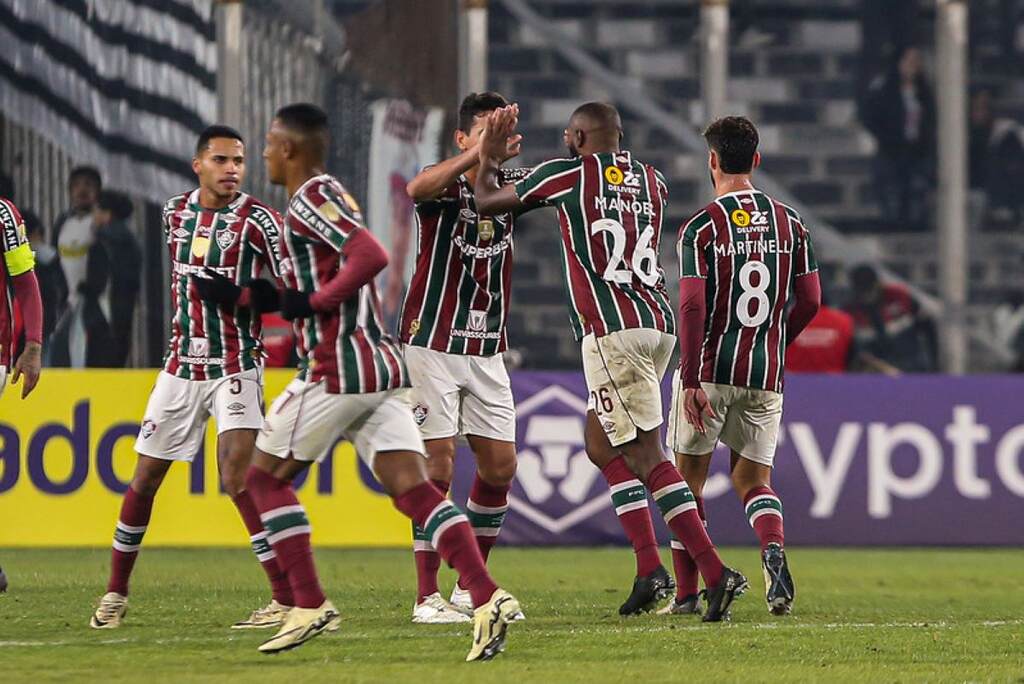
(326, 215)
(804, 261)
(18, 256)
(167, 215)
(265, 237)
(435, 205)
(695, 242)
(548, 182)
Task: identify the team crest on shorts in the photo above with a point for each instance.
(419, 414)
(225, 238)
(147, 429)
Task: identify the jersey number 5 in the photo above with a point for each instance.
(644, 261)
(758, 294)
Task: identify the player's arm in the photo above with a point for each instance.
(431, 182)
(693, 272)
(493, 198)
(19, 262)
(806, 302)
(364, 257)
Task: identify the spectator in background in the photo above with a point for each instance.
(899, 111)
(889, 325)
(996, 160)
(117, 257)
(52, 288)
(73, 231)
(97, 330)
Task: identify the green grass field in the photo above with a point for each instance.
(906, 615)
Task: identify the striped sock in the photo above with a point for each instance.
(629, 497)
(764, 511)
(427, 560)
(288, 532)
(281, 590)
(687, 577)
(131, 527)
(486, 511)
(679, 508)
(449, 532)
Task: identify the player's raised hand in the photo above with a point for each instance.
(492, 141)
(696, 406)
(513, 146)
(29, 364)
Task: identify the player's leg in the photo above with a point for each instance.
(752, 434)
(629, 498)
(435, 398)
(622, 368)
(301, 425)
(237, 406)
(389, 440)
(489, 423)
(694, 470)
(172, 429)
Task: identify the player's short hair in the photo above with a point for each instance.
(734, 139)
(90, 172)
(303, 117)
(475, 104)
(216, 131)
(598, 114)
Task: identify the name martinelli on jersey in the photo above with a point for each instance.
(749, 247)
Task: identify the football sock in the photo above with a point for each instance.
(131, 527)
(281, 590)
(288, 532)
(427, 560)
(486, 510)
(629, 497)
(449, 532)
(687, 577)
(679, 508)
(764, 511)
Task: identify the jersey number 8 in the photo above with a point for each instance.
(644, 261)
(756, 293)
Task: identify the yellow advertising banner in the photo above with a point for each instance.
(66, 457)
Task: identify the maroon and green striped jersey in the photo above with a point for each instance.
(458, 297)
(347, 347)
(750, 248)
(15, 259)
(238, 241)
(610, 209)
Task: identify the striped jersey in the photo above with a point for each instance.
(610, 208)
(347, 348)
(750, 248)
(16, 259)
(209, 341)
(458, 297)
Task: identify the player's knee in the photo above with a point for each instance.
(440, 462)
(498, 472)
(146, 484)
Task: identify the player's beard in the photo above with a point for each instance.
(573, 152)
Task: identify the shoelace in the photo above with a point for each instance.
(108, 610)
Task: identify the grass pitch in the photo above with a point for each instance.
(902, 615)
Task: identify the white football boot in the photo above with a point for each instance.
(434, 610)
(109, 613)
(490, 624)
(272, 615)
(461, 600)
(301, 625)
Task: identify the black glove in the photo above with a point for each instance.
(295, 304)
(263, 296)
(217, 289)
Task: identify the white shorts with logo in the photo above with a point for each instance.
(624, 371)
(747, 421)
(174, 425)
(459, 394)
(306, 420)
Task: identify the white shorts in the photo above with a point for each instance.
(457, 394)
(174, 425)
(3, 379)
(747, 422)
(623, 371)
(306, 421)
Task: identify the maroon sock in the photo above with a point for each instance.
(281, 590)
(131, 527)
(450, 533)
(629, 497)
(486, 510)
(679, 508)
(427, 560)
(764, 511)
(288, 532)
(687, 577)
